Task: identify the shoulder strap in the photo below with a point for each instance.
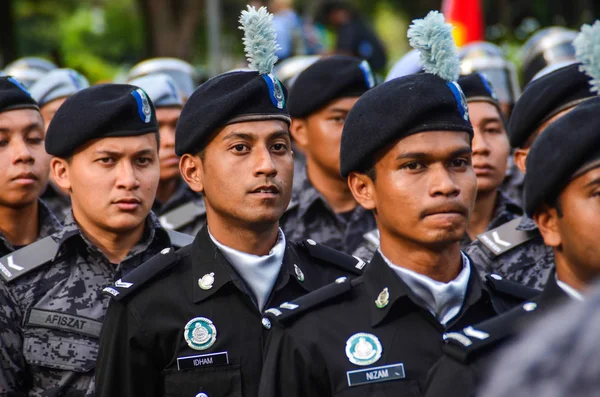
(499, 285)
(486, 336)
(505, 237)
(344, 261)
(288, 311)
(182, 215)
(178, 239)
(26, 259)
(146, 271)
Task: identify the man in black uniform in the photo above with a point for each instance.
(379, 334)
(24, 166)
(561, 193)
(189, 323)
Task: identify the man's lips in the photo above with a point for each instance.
(266, 190)
(128, 203)
(170, 161)
(25, 178)
(450, 209)
(483, 169)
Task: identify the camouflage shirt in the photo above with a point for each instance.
(52, 315)
(530, 263)
(58, 202)
(505, 210)
(48, 225)
(310, 216)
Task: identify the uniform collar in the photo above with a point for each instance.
(209, 263)
(378, 276)
(527, 224)
(505, 210)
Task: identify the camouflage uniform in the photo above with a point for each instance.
(52, 315)
(505, 210)
(48, 225)
(310, 216)
(58, 202)
(529, 263)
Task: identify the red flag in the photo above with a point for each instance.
(467, 18)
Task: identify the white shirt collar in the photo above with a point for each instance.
(443, 300)
(259, 272)
(570, 291)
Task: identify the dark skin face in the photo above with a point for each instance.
(24, 163)
(319, 135)
(490, 146)
(169, 162)
(424, 190)
(245, 174)
(572, 235)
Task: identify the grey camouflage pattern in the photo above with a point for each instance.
(47, 362)
(48, 225)
(530, 263)
(310, 216)
(505, 211)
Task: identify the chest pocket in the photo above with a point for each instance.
(60, 350)
(222, 381)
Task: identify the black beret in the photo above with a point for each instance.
(328, 79)
(477, 87)
(106, 110)
(13, 95)
(557, 155)
(399, 108)
(544, 98)
(228, 98)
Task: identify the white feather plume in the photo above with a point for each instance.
(587, 50)
(260, 39)
(432, 37)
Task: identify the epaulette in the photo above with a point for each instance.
(288, 311)
(505, 237)
(484, 337)
(499, 285)
(26, 259)
(182, 215)
(344, 261)
(146, 271)
(178, 239)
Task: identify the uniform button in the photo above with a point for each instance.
(201, 395)
(311, 242)
(266, 323)
(165, 251)
(341, 280)
(530, 306)
(496, 276)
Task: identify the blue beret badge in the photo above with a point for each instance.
(461, 100)
(275, 90)
(144, 109)
(368, 73)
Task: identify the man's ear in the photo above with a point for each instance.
(363, 190)
(520, 157)
(299, 132)
(60, 173)
(547, 221)
(192, 171)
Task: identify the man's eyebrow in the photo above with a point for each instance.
(423, 155)
(593, 182)
(252, 137)
(27, 129)
(491, 120)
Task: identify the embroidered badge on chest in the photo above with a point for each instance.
(200, 333)
(363, 349)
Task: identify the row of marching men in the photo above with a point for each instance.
(259, 298)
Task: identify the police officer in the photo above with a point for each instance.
(323, 208)
(178, 207)
(104, 140)
(490, 154)
(24, 167)
(189, 323)
(380, 333)
(184, 74)
(516, 250)
(561, 185)
(28, 70)
(50, 92)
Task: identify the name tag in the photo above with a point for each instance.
(64, 322)
(376, 374)
(203, 360)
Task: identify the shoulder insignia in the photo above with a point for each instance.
(288, 311)
(182, 215)
(505, 237)
(484, 337)
(142, 274)
(499, 285)
(178, 239)
(347, 262)
(26, 259)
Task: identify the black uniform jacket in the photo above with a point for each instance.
(145, 349)
(469, 354)
(309, 352)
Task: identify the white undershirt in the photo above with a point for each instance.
(443, 300)
(570, 291)
(259, 272)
